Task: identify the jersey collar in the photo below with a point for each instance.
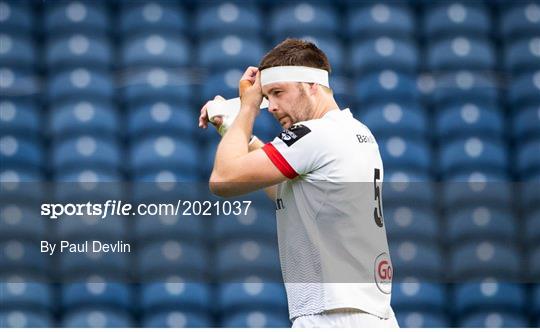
(337, 111)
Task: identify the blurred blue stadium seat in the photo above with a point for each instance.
(524, 89)
(473, 153)
(229, 51)
(256, 319)
(417, 319)
(533, 262)
(410, 187)
(461, 53)
(405, 153)
(163, 183)
(80, 83)
(529, 196)
(522, 55)
(173, 293)
(81, 16)
(18, 220)
(341, 87)
(80, 117)
(252, 294)
(177, 319)
(151, 16)
(386, 85)
(156, 50)
(464, 85)
(185, 228)
(389, 119)
(21, 152)
(489, 295)
(20, 117)
(81, 265)
(221, 18)
(156, 84)
(412, 294)
(459, 17)
(86, 151)
(155, 153)
(528, 157)
(380, 18)
(420, 259)
(20, 292)
(318, 19)
(16, 17)
(19, 83)
(384, 53)
(79, 227)
(473, 188)
(266, 127)
(484, 259)
(84, 183)
(158, 117)
(536, 300)
(17, 51)
(25, 319)
(78, 50)
(223, 83)
(17, 183)
(96, 292)
(521, 20)
(96, 318)
(493, 320)
(22, 257)
(165, 257)
(481, 223)
(461, 120)
(208, 159)
(532, 226)
(526, 124)
(413, 223)
(237, 259)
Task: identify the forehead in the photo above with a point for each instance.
(278, 85)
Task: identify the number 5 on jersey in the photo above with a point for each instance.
(377, 212)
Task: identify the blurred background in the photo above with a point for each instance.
(110, 91)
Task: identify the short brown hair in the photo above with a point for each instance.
(295, 52)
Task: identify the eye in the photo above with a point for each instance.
(276, 93)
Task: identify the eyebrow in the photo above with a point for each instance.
(270, 92)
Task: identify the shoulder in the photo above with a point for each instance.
(300, 132)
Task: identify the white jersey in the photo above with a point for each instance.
(332, 239)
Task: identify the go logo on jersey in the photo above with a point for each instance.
(383, 273)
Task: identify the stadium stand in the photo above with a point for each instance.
(103, 92)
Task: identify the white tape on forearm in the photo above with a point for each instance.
(228, 109)
(294, 74)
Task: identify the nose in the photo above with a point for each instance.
(271, 107)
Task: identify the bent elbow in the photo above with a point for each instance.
(218, 186)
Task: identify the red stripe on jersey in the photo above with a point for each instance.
(278, 160)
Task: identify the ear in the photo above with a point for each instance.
(313, 89)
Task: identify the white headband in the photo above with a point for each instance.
(294, 74)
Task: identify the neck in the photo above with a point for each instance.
(324, 106)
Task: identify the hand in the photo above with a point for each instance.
(249, 88)
(203, 118)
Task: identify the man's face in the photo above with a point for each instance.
(288, 102)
